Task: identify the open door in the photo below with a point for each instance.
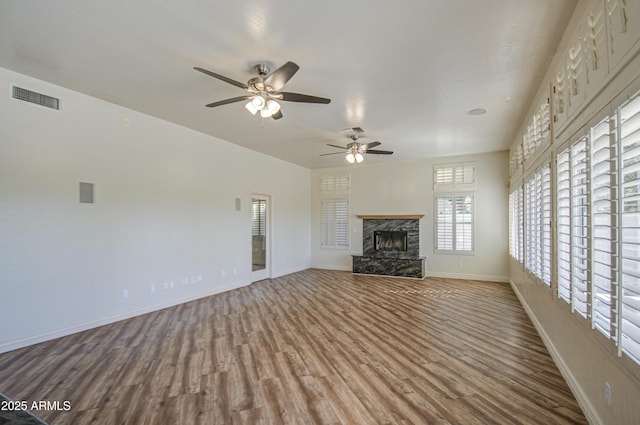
(260, 246)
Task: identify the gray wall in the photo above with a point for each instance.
(164, 214)
(407, 188)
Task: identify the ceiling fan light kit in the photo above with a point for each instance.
(355, 151)
(351, 157)
(263, 95)
(264, 90)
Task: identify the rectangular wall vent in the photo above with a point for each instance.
(86, 193)
(37, 98)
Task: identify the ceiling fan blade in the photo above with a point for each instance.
(277, 115)
(332, 153)
(336, 146)
(305, 98)
(377, 152)
(371, 145)
(227, 101)
(223, 78)
(280, 76)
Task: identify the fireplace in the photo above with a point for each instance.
(390, 246)
(390, 240)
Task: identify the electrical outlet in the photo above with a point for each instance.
(125, 293)
(607, 393)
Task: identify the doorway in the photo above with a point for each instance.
(260, 243)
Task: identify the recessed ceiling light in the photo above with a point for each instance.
(477, 111)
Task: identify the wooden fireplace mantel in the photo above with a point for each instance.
(390, 216)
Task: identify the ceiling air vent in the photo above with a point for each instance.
(37, 98)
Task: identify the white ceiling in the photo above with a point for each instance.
(405, 71)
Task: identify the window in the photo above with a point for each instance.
(515, 224)
(573, 226)
(453, 200)
(454, 176)
(538, 224)
(335, 223)
(598, 227)
(563, 225)
(579, 225)
(258, 217)
(335, 210)
(602, 231)
(331, 184)
(454, 223)
(629, 140)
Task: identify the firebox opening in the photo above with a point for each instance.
(388, 240)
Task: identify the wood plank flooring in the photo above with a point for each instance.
(314, 347)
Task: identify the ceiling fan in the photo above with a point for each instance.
(354, 150)
(264, 90)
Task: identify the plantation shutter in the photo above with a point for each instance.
(538, 224)
(335, 183)
(342, 223)
(520, 225)
(464, 174)
(602, 236)
(563, 224)
(513, 224)
(545, 223)
(629, 133)
(444, 223)
(464, 223)
(444, 174)
(579, 227)
(454, 223)
(259, 212)
(454, 176)
(335, 223)
(529, 223)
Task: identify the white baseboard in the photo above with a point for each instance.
(334, 267)
(488, 278)
(587, 408)
(80, 327)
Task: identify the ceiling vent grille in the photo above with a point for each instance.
(37, 98)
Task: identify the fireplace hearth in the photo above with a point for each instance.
(390, 246)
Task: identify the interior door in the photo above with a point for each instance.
(260, 237)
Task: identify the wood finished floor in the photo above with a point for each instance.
(314, 347)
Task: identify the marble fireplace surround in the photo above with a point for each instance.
(402, 263)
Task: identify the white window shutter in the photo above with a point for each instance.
(629, 139)
(579, 227)
(603, 280)
(444, 223)
(335, 223)
(335, 184)
(454, 176)
(563, 224)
